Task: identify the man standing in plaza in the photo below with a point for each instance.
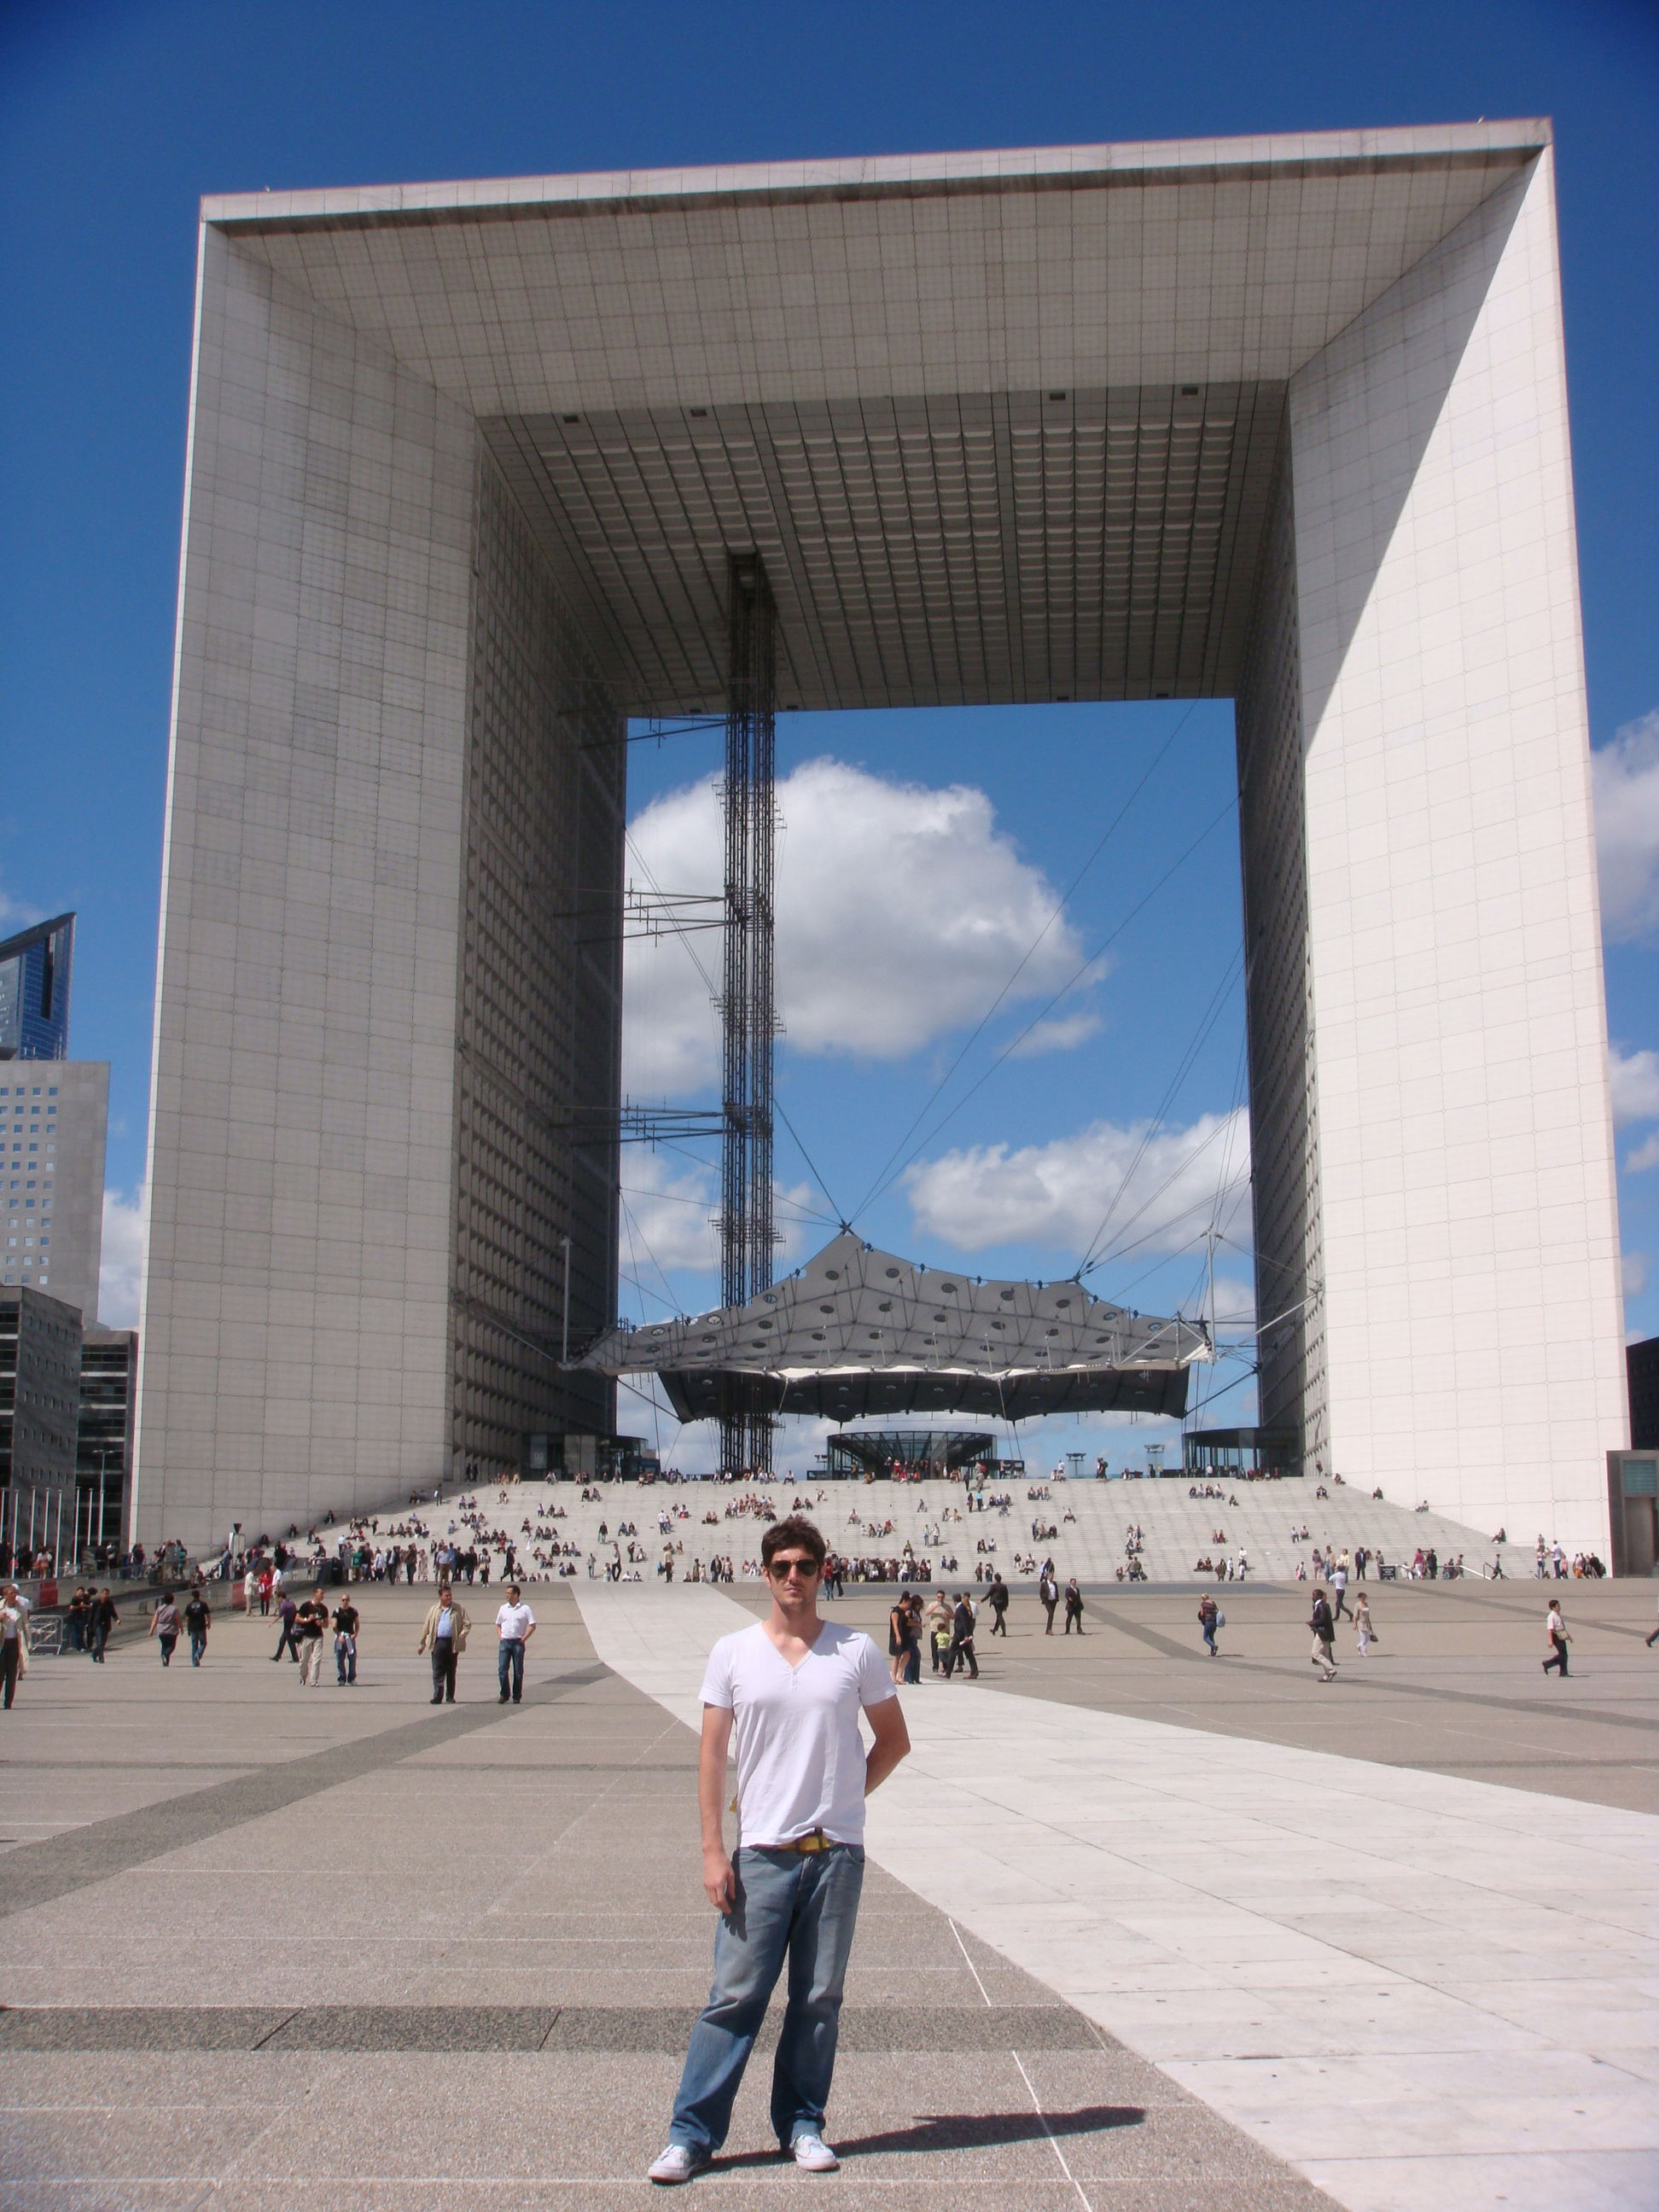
(515, 1625)
(347, 1621)
(445, 1636)
(310, 1626)
(791, 1689)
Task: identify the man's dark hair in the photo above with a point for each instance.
(794, 1528)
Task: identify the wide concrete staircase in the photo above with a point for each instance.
(1090, 1520)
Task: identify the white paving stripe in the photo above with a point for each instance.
(1421, 1991)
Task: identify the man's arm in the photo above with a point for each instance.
(530, 1632)
(719, 1881)
(892, 1742)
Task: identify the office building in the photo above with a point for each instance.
(53, 1120)
(1642, 1371)
(1282, 420)
(103, 1455)
(39, 1412)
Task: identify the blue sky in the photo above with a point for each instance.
(114, 118)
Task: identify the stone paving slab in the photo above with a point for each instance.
(1235, 1900)
(449, 1959)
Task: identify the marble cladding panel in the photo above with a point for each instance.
(1470, 1231)
(302, 1168)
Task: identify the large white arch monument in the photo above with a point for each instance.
(1281, 419)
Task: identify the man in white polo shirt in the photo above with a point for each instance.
(791, 1688)
(515, 1625)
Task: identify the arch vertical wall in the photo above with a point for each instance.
(1435, 1176)
(1278, 419)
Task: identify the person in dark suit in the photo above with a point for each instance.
(961, 1639)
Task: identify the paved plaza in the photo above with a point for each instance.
(1142, 1929)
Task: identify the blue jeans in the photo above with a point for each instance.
(801, 1905)
(509, 1663)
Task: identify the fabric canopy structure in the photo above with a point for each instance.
(857, 1331)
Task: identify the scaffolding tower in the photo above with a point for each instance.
(748, 1005)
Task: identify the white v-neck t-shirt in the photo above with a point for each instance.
(800, 1758)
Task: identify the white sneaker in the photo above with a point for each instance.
(678, 2163)
(814, 2155)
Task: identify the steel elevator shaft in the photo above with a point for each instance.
(748, 1006)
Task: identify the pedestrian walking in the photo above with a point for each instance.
(1073, 1607)
(1339, 1589)
(287, 1612)
(515, 1624)
(1323, 1626)
(961, 1652)
(347, 1621)
(1048, 1598)
(790, 1688)
(1651, 1640)
(101, 1620)
(164, 1627)
(1556, 1629)
(1363, 1632)
(14, 1643)
(997, 1598)
(311, 1625)
(1209, 1618)
(445, 1636)
(198, 1618)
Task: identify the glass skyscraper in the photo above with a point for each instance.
(34, 991)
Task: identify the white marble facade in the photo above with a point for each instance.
(1279, 419)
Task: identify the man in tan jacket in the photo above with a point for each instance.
(445, 1636)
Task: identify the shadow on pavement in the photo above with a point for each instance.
(969, 2131)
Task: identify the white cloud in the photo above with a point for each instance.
(1635, 1079)
(900, 911)
(1645, 1156)
(122, 1271)
(1626, 777)
(1059, 1033)
(1235, 1306)
(1633, 1269)
(670, 1207)
(1160, 1188)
